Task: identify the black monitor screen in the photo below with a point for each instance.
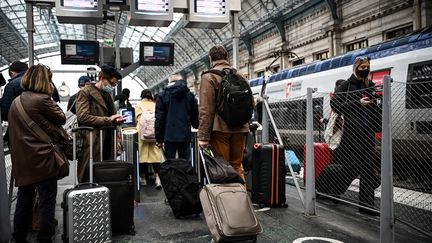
(152, 5)
(91, 4)
(156, 54)
(79, 52)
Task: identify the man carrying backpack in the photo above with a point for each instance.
(225, 108)
(176, 112)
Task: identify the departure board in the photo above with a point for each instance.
(80, 3)
(210, 7)
(152, 5)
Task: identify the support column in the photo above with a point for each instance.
(310, 177)
(117, 48)
(236, 39)
(196, 81)
(426, 14)
(30, 30)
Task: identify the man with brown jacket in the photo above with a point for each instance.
(224, 141)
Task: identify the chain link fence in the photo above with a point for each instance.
(347, 147)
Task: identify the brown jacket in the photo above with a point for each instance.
(32, 158)
(92, 112)
(209, 118)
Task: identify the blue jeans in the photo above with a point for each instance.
(183, 150)
(47, 191)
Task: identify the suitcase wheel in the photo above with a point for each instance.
(284, 205)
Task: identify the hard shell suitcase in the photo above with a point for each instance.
(268, 181)
(86, 208)
(333, 180)
(322, 157)
(228, 211)
(117, 176)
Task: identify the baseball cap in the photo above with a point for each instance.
(83, 80)
(108, 70)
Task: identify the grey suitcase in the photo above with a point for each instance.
(86, 207)
(228, 211)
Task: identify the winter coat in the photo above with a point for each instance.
(93, 111)
(360, 122)
(33, 158)
(12, 90)
(176, 112)
(209, 118)
(148, 152)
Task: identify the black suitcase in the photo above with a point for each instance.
(268, 181)
(117, 176)
(180, 184)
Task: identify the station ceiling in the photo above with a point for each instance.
(191, 44)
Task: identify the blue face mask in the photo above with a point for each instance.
(109, 88)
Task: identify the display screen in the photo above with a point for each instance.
(156, 54)
(79, 52)
(213, 7)
(129, 115)
(92, 4)
(152, 5)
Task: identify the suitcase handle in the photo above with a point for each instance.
(86, 184)
(82, 129)
(201, 151)
(114, 128)
(74, 131)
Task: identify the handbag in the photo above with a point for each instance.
(334, 131)
(219, 170)
(72, 122)
(60, 158)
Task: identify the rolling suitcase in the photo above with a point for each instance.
(322, 157)
(228, 211)
(268, 181)
(333, 180)
(86, 207)
(180, 184)
(118, 177)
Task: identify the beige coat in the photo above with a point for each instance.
(209, 119)
(93, 112)
(148, 152)
(32, 158)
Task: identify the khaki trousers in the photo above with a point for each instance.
(230, 146)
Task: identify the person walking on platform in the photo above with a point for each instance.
(122, 100)
(354, 100)
(95, 108)
(224, 140)
(82, 81)
(33, 158)
(12, 89)
(149, 153)
(176, 112)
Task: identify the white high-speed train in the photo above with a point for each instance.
(408, 60)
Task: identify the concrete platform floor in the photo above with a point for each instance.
(154, 222)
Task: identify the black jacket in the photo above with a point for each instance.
(12, 90)
(176, 112)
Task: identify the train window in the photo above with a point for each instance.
(325, 65)
(346, 60)
(419, 86)
(295, 73)
(302, 71)
(335, 62)
(272, 78)
(310, 68)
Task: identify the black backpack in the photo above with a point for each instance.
(181, 187)
(234, 98)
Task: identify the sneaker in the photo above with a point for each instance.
(158, 183)
(143, 182)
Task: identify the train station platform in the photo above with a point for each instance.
(154, 222)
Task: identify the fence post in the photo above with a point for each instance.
(387, 210)
(310, 175)
(5, 227)
(265, 122)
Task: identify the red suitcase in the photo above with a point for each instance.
(322, 157)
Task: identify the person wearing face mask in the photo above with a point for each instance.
(355, 100)
(95, 108)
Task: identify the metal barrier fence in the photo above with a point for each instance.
(348, 167)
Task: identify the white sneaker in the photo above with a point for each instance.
(158, 183)
(143, 182)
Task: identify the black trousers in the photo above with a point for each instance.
(47, 191)
(183, 150)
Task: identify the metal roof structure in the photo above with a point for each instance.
(191, 44)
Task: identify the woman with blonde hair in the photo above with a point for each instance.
(34, 163)
(149, 153)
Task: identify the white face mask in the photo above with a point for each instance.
(109, 88)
